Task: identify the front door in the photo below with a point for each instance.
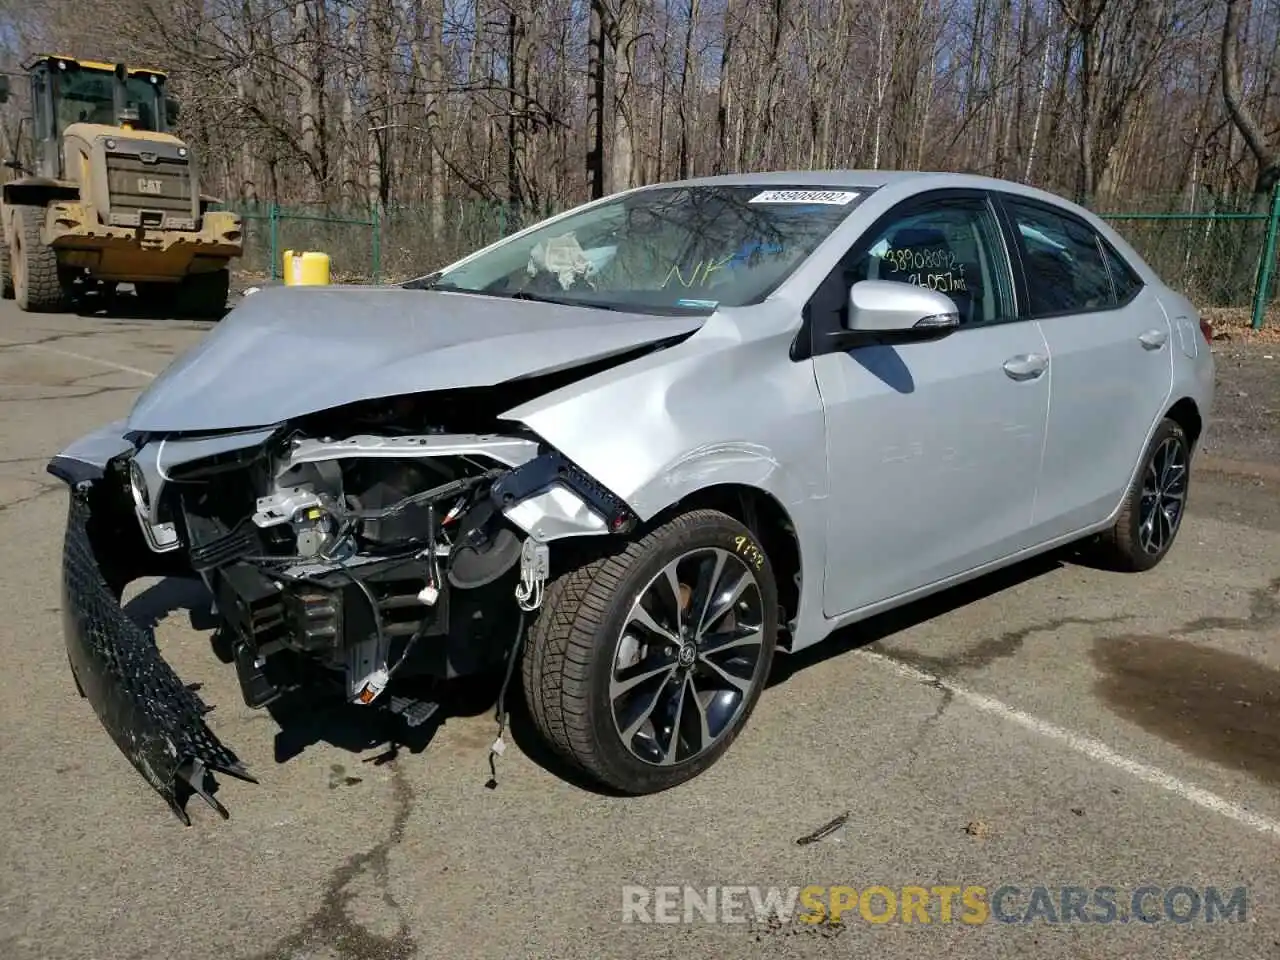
(1111, 348)
(933, 449)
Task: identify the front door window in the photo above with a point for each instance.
(954, 248)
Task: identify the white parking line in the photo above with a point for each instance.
(88, 359)
(1088, 747)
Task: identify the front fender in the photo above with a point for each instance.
(725, 406)
(717, 464)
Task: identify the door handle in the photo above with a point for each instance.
(1026, 366)
(1153, 339)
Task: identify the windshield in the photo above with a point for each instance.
(85, 96)
(669, 248)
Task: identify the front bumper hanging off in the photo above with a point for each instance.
(155, 719)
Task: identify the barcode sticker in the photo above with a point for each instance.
(836, 198)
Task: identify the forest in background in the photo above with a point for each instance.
(534, 105)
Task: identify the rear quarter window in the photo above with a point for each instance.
(1124, 278)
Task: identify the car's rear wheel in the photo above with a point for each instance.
(1151, 515)
(643, 666)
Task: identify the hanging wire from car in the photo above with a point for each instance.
(499, 746)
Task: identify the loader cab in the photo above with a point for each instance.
(65, 91)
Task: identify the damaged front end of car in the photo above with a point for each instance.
(343, 551)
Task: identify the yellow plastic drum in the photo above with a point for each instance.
(307, 269)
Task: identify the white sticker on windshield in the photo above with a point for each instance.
(835, 198)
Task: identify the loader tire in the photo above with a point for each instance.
(6, 276)
(36, 284)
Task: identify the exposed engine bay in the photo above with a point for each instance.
(342, 551)
(368, 554)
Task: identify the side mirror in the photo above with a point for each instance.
(14, 165)
(886, 311)
(4, 89)
(172, 109)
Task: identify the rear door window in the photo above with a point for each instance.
(1063, 262)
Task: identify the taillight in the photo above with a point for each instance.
(1206, 329)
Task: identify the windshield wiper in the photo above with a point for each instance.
(432, 282)
(423, 283)
(562, 301)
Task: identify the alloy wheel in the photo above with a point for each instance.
(1164, 492)
(685, 662)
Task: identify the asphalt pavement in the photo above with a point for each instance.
(1053, 726)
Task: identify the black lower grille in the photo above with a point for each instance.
(154, 718)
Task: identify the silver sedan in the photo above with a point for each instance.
(637, 450)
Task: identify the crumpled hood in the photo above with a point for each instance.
(289, 351)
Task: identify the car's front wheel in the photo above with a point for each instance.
(1151, 514)
(643, 666)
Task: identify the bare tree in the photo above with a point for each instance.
(470, 110)
(1266, 154)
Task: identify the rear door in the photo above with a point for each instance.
(1110, 350)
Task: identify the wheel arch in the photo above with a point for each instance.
(37, 193)
(763, 514)
(1186, 414)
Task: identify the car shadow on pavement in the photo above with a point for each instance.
(168, 595)
(304, 721)
(884, 625)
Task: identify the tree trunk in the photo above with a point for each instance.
(721, 164)
(688, 81)
(435, 142)
(1044, 88)
(624, 66)
(1266, 155)
(595, 102)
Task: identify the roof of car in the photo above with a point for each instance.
(916, 180)
(823, 178)
(923, 179)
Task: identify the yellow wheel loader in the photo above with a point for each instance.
(108, 195)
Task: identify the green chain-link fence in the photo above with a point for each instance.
(394, 243)
(1218, 259)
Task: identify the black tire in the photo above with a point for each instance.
(569, 662)
(6, 277)
(1128, 546)
(37, 284)
(204, 295)
(74, 678)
